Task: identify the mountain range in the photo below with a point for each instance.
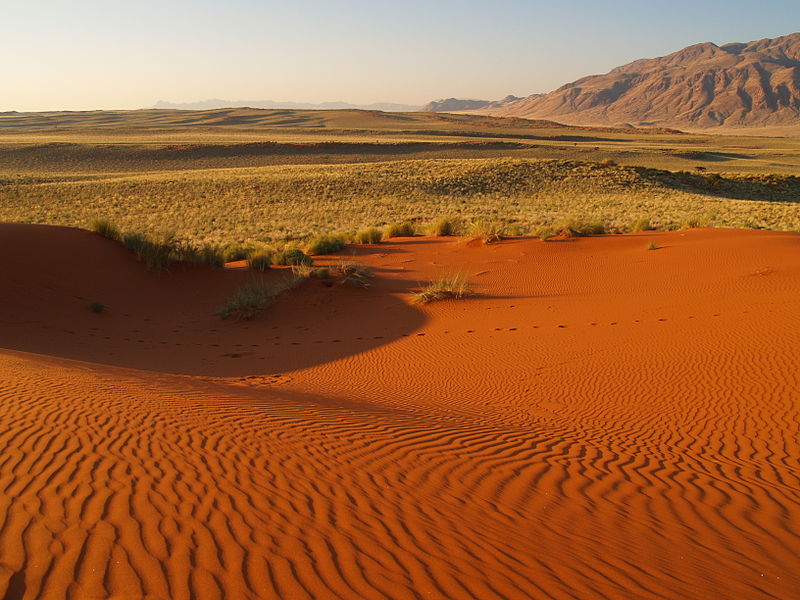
(271, 104)
(755, 84)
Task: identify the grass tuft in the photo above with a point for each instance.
(404, 229)
(449, 287)
(442, 227)
(326, 244)
(292, 257)
(105, 228)
(97, 307)
(652, 246)
(487, 231)
(260, 261)
(354, 273)
(155, 252)
(371, 235)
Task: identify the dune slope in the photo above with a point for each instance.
(600, 421)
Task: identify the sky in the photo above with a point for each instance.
(104, 54)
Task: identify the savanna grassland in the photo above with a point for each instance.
(264, 175)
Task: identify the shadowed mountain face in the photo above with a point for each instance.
(705, 85)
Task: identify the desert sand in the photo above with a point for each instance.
(599, 421)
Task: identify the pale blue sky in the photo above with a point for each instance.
(88, 54)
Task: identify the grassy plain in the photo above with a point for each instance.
(254, 175)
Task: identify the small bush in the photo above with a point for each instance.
(692, 223)
(449, 287)
(373, 235)
(97, 307)
(442, 227)
(487, 231)
(260, 261)
(292, 257)
(608, 162)
(326, 244)
(652, 246)
(405, 229)
(105, 228)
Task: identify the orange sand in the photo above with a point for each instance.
(601, 421)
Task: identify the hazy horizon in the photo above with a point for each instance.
(111, 55)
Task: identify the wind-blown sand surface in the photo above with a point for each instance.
(600, 421)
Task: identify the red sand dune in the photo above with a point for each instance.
(600, 421)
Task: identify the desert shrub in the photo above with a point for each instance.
(371, 235)
(652, 246)
(354, 273)
(487, 231)
(404, 229)
(155, 252)
(326, 244)
(641, 225)
(260, 261)
(292, 257)
(442, 227)
(449, 287)
(608, 162)
(105, 228)
(97, 307)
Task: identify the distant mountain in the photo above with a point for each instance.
(458, 104)
(753, 84)
(269, 104)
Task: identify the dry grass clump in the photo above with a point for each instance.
(293, 257)
(442, 227)
(448, 287)
(156, 252)
(641, 225)
(576, 228)
(326, 244)
(249, 300)
(371, 235)
(404, 229)
(260, 261)
(354, 273)
(652, 246)
(487, 231)
(105, 228)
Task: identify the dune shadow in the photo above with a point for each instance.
(166, 323)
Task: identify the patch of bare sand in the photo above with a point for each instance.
(599, 421)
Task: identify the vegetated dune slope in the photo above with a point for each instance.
(600, 421)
